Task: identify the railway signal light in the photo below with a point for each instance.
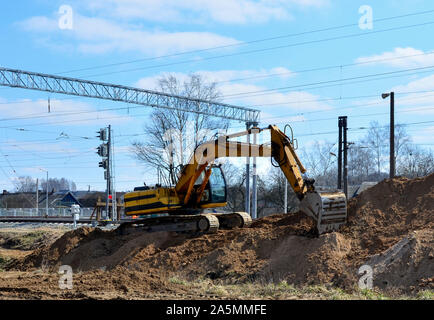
(102, 150)
(102, 134)
(103, 164)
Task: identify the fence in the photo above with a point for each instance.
(52, 212)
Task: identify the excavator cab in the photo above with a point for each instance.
(217, 184)
(215, 191)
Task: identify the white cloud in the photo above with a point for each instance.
(400, 57)
(97, 35)
(40, 24)
(422, 84)
(199, 11)
(115, 25)
(421, 101)
(295, 101)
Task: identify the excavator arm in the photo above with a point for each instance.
(328, 209)
(284, 155)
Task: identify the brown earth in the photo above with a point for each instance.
(390, 228)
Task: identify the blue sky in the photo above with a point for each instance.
(113, 32)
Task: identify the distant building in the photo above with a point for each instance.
(59, 199)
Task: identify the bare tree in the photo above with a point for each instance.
(275, 192)
(375, 140)
(55, 184)
(25, 184)
(361, 163)
(320, 162)
(402, 140)
(235, 180)
(416, 162)
(173, 135)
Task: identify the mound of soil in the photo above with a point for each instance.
(390, 227)
(383, 214)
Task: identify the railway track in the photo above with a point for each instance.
(58, 219)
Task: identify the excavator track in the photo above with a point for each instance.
(201, 223)
(234, 220)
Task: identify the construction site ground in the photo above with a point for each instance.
(390, 228)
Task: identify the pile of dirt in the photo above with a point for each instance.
(382, 215)
(390, 227)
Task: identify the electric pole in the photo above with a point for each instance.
(37, 196)
(345, 158)
(109, 175)
(285, 197)
(343, 149)
(247, 199)
(104, 152)
(392, 132)
(255, 175)
(340, 123)
(112, 176)
(46, 196)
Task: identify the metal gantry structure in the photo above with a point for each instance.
(100, 90)
(106, 91)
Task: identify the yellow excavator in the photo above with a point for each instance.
(201, 186)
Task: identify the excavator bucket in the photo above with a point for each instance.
(328, 209)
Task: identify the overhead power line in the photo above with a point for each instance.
(245, 42)
(373, 61)
(353, 35)
(61, 114)
(128, 116)
(253, 93)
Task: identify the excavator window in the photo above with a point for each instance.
(217, 184)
